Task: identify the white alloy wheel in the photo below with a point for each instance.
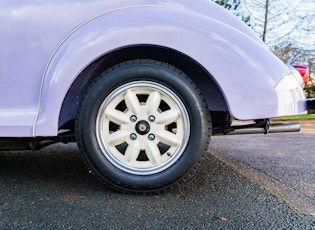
(142, 127)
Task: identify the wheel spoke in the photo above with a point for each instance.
(168, 117)
(118, 137)
(153, 153)
(132, 152)
(132, 102)
(167, 138)
(153, 102)
(117, 117)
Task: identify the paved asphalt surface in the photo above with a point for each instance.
(284, 163)
(52, 189)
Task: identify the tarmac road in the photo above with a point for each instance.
(52, 189)
(284, 163)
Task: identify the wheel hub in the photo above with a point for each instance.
(142, 127)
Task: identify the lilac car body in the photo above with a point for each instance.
(52, 50)
(46, 45)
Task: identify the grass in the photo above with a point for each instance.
(298, 117)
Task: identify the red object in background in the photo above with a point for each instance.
(304, 71)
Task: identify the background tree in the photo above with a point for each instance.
(229, 4)
(276, 20)
(233, 5)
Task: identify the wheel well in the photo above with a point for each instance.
(200, 76)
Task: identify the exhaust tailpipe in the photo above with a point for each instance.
(260, 128)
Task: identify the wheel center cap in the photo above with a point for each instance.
(142, 127)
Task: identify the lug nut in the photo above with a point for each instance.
(151, 118)
(133, 136)
(133, 118)
(151, 137)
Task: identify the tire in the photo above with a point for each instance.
(143, 126)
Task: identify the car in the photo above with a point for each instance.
(140, 85)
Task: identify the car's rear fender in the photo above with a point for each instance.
(244, 70)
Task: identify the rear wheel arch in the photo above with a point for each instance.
(203, 79)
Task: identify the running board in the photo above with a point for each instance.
(259, 128)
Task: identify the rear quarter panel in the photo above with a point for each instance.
(48, 44)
